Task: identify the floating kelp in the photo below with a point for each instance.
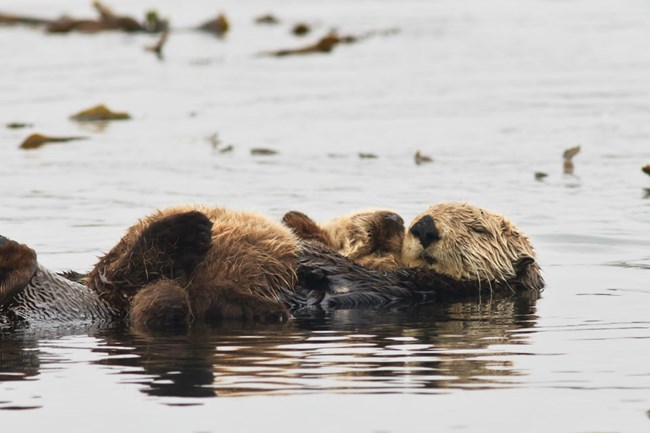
(540, 175)
(9, 19)
(366, 155)
(422, 159)
(267, 19)
(324, 45)
(214, 140)
(99, 112)
(35, 141)
(568, 157)
(160, 43)
(263, 151)
(18, 125)
(646, 169)
(107, 20)
(218, 26)
(301, 29)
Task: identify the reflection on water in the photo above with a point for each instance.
(422, 349)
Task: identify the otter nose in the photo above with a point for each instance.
(393, 217)
(425, 230)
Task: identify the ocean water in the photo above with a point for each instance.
(492, 90)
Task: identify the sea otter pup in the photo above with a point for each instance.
(371, 238)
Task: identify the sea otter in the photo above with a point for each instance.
(239, 266)
(371, 238)
(468, 243)
(193, 263)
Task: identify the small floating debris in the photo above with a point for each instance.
(153, 23)
(227, 149)
(540, 175)
(18, 125)
(158, 46)
(263, 151)
(268, 19)
(364, 155)
(107, 21)
(422, 159)
(568, 156)
(646, 169)
(99, 112)
(35, 141)
(214, 139)
(324, 45)
(218, 26)
(9, 19)
(301, 29)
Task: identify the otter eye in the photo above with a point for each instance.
(478, 227)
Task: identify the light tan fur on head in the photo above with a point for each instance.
(470, 243)
(371, 238)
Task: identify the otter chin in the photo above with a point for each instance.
(469, 243)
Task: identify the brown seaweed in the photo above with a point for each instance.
(218, 26)
(35, 141)
(99, 112)
(422, 159)
(263, 151)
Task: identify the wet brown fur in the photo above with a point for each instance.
(370, 238)
(17, 266)
(240, 270)
(473, 244)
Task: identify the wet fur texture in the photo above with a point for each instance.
(17, 266)
(370, 238)
(468, 243)
(199, 263)
(192, 263)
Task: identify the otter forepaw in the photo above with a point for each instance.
(160, 305)
(304, 227)
(185, 238)
(17, 266)
(266, 311)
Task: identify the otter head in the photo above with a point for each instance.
(469, 243)
(371, 238)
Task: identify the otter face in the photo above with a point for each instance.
(369, 238)
(466, 242)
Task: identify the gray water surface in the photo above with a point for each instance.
(493, 90)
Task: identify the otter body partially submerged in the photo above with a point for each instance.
(31, 293)
(196, 263)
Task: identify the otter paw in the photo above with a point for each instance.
(17, 266)
(184, 238)
(160, 305)
(304, 227)
(267, 312)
